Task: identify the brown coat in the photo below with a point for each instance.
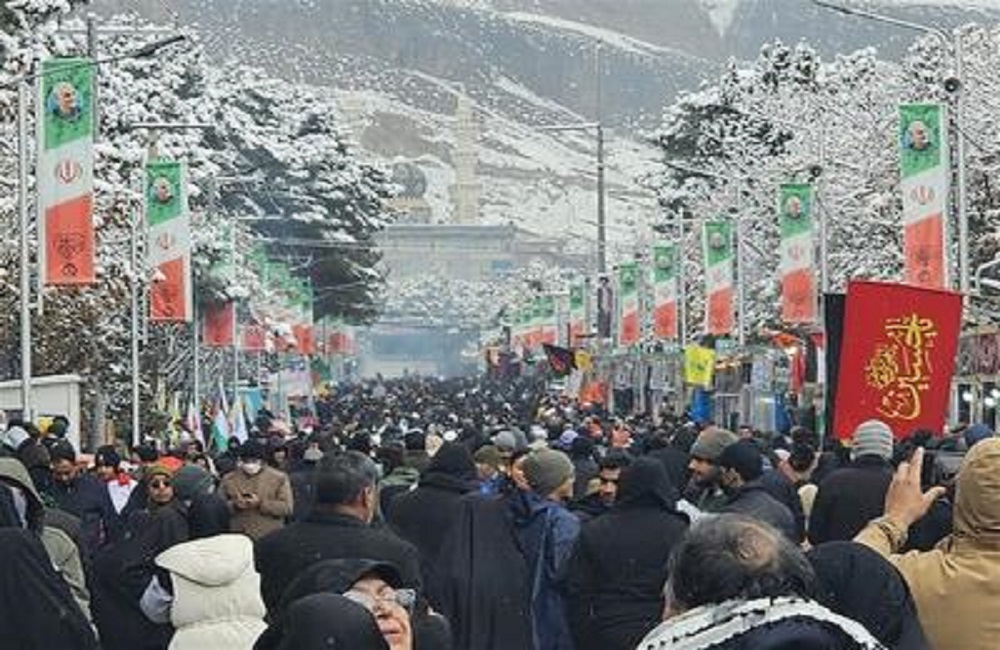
(275, 492)
(957, 584)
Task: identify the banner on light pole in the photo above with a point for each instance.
(66, 126)
(798, 272)
(665, 260)
(169, 241)
(577, 313)
(925, 171)
(628, 304)
(718, 251)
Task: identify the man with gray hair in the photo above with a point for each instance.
(735, 582)
(338, 527)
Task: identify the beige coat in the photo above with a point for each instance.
(957, 585)
(275, 492)
(217, 601)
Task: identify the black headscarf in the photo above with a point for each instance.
(451, 468)
(856, 582)
(36, 607)
(324, 577)
(644, 482)
(331, 622)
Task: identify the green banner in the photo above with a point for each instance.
(67, 90)
(628, 278)
(164, 191)
(577, 296)
(718, 242)
(920, 137)
(795, 204)
(664, 262)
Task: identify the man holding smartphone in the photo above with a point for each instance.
(259, 497)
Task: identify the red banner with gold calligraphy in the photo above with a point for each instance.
(897, 358)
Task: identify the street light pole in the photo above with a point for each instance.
(23, 84)
(22, 206)
(954, 42)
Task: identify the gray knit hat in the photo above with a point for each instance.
(711, 442)
(872, 438)
(547, 469)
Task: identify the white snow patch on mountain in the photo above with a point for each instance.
(722, 13)
(606, 36)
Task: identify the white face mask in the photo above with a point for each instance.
(252, 467)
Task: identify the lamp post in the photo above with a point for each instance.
(137, 230)
(23, 85)
(602, 234)
(953, 41)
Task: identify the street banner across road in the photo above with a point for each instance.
(925, 171)
(718, 247)
(169, 235)
(66, 172)
(665, 260)
(798, 272)
(898, 357)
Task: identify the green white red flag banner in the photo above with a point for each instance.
(628, 304)
(924, 174)
(665, 261)
(798, 272)
(545, 307)
(169, 241)
(718, 248)
(66, 171)
(577, 313)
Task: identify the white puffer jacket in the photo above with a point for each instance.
(217, 601)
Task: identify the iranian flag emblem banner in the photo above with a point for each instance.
(628, 304)
(665, 291)
(798, 276)
(718, 244)
(66, 172)
(577, 313)
(924, 171)
(547, 317)
(169, 242)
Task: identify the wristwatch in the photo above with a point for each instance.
(895, 532)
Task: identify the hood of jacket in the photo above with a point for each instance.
(14, 472)
(213, 561)
(977, 496)
(645, 483)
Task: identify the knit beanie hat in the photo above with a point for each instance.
(156, 470)
(744, 456)
(872, 438)
(711, 442)
(547, 469)
(976, 433)
(190, 481)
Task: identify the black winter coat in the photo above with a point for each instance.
(848, 499)
(281, 555)
(782, 489)
(616, 574)
(423, 516)
(614, 580)
(752, 500)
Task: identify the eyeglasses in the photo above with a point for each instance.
(159, 484)
(405, 598)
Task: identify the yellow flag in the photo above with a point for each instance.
(583, 360)
(699, 365)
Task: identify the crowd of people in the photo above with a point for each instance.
(473, 514)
